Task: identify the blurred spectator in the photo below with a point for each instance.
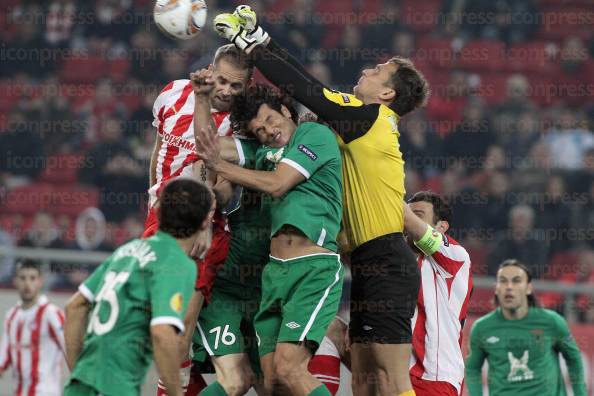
(521, 138)
(60, 19)
(22, 149)
(43, 233)
(349, 59)
(501, 23)
(146, 59)
(6, 258)
(103, 105)
(471, 138)
(21, 53)
(110, 20)
(143, 116)
(581, 180)
(403, 44)
(517, 99)
(420, 146)
(321, 71)
(493, 213)
(583, 219)
(388, 19)
(447, 103)
(574, 77)
(569, 140)
(295, 30)
(554, 215)
(582, 275)
(121, 179)
(175, 66)
(521, 242)
(90, 230)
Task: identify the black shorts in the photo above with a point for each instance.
(384, 291)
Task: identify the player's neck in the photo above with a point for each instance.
(28, 304)
(515, 314)
(186, 244)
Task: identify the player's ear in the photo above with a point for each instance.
(529, 289)
(285, 111)
(442, 226)
(388, 94)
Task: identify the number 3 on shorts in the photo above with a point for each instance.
(107, 294)
(227, 337)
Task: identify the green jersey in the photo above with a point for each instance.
(314, 206)
(523, 355)
(248, 215)
(143, 283)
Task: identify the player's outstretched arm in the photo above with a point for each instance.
(275, 183)
(474, 364)
(202, 85)
(571, 353)
(77, 311)
(287, 73)
(167, 358)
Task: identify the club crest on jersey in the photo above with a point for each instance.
(275, 157)
(304, 149)
(519, 370)
(346, 99)
(177, 302)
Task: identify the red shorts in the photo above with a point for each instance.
(424, 387)
(215, 257)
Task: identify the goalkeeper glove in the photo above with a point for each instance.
(249, 20)
(229, 27)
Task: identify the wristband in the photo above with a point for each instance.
(429, 242)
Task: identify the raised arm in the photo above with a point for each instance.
(347, 115)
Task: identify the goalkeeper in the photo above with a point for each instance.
(521, 342)
(385, 273)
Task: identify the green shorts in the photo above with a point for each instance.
(225, 325)
(77, 388)
(300, 297)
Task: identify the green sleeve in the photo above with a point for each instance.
(90, 287)
(474, 363)
(246, 149)
(566, 344)
(171, 287)
(314, 146)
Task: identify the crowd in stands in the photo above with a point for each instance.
(506, 136)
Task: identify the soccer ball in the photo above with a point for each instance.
(182, 19)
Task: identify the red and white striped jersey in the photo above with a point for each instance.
(446, 284)
(33, 346)
(173, 113)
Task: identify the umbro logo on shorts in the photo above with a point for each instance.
(492, 340)
(293, 325)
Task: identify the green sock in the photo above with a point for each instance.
(214, 389)
(320, 391)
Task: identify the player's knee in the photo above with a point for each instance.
(237, 384)
(286, 368)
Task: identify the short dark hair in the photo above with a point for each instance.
(412, 89)
(235, 56)
(442, 211)
(27, 264)
(532, 302)
(246, 106)
(184, 204)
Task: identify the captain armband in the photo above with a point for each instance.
(430, 241)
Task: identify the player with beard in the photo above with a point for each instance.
(437, 363)
(522, 342)
(33, 337)
(174, 155)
